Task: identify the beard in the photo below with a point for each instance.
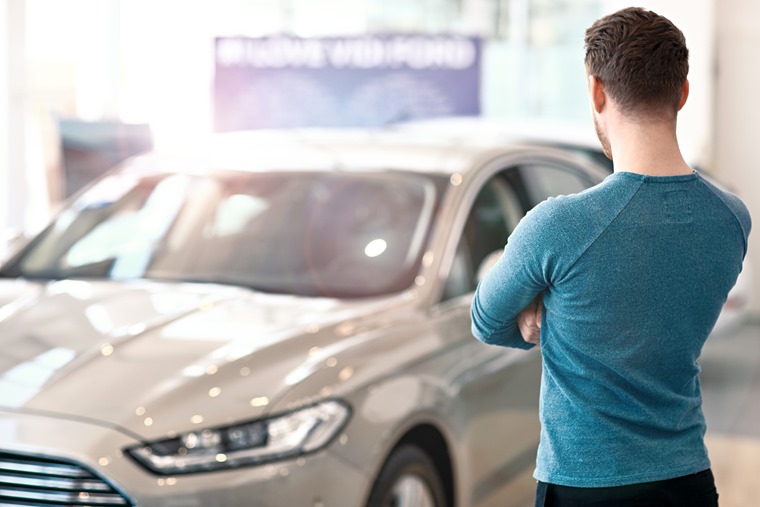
(603, 139)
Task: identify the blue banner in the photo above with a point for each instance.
(364, 81)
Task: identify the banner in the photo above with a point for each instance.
(279, 82)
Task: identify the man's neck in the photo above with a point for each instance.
(651, 149)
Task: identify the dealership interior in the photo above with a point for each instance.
(161, 346)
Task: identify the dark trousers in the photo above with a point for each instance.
(696, 490)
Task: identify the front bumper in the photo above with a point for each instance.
(317, 480)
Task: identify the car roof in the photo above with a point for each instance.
(575, 136)
(429, 150)
(532, 130)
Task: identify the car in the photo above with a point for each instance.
(275, 319)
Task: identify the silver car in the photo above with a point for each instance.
(275, 320)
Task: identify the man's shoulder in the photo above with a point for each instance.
(732, 202)
(561, 229)
(603, 199)
(567, 224)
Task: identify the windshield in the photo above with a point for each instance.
(302, 233)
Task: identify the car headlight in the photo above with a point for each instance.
(302, 431)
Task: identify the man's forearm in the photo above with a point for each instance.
(494, 331)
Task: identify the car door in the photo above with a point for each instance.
(498, 388)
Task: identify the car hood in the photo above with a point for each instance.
(152, 358)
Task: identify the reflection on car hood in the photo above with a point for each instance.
(155, 358)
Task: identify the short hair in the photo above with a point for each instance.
(641, 59)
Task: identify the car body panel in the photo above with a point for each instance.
(143, 351)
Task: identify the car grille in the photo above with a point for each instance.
(37, 482)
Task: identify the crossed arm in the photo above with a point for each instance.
(507, 308)
(528, 323)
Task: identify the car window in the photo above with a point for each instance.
(302, 233)
(542, 181)
(492, 217)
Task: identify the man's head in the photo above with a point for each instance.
(641, 60)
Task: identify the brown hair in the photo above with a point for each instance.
(641, 59)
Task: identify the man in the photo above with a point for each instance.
(625, 281)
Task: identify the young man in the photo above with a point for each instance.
(625, 282)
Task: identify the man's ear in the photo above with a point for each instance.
(596, 93)
(684, 94)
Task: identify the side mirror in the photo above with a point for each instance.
(489, 262)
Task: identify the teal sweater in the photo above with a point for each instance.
(634, 272)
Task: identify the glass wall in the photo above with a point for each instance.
(148, 61)
(143, 61)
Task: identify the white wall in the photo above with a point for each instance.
(737, 107)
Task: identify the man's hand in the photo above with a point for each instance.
(529, 321)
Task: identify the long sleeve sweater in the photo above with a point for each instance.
(633, 273)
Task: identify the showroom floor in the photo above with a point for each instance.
(731, 388)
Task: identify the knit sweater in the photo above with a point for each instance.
(634, 273)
